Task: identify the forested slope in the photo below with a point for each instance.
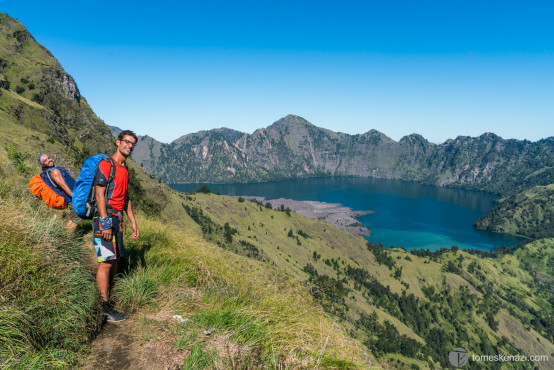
(529, 213)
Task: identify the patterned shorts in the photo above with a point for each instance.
(112, 249)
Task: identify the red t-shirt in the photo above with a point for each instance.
(117, 189)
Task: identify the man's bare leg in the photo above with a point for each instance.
(113, 271)
(103, 278)
(71, 226)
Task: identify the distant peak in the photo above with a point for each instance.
(292, 119)
(414, 138)
(377, 134)
(489, 135)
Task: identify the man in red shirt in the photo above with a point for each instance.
(112, 199)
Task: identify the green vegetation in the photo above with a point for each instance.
(254, 308)
(529, 213)
(49, 287)
(49, 306)
(260, 279)
(426, 302)
(204, 189)
(48, 107)
(18, 160)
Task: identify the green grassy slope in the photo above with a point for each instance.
(48, 300)
(49, 303)
(38, 94)
(49, 307)
(432, 303)
(529, 213)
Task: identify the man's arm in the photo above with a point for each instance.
(102, 211)
(58, 179)
(131, 216)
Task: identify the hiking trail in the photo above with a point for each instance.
(118, 346)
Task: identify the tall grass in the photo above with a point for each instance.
(48, 300)
(137, 289)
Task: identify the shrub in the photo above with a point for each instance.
(203, 189)
(18, 159)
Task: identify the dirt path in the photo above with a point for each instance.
(118, 347)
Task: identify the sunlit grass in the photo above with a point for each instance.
(48, 299)
(269, 314)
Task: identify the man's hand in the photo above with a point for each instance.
(135, 233)
(105, 224)
(107, 234)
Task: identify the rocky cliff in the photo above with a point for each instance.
(40, 95)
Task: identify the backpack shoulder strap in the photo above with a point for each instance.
(112, 169)
(46, 173)
(110, 179)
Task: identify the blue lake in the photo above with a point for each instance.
(407, 214)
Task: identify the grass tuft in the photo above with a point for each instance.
(136, 289)
(200, 358)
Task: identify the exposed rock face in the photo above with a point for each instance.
(292, 147)
(49, 100)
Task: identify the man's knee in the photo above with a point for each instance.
(105, 266)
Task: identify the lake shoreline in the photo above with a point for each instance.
(335, 214)
(408, 214)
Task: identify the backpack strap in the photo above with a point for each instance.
(110, 179)
(47, 174)
(112, 170)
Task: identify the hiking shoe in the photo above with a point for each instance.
(112, 315)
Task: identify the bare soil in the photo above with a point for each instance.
(334, 213)
(118, 347)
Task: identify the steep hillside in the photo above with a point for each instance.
(292, 147)
(529, 213)
(414, 306)
(49, 308)
(38, 94)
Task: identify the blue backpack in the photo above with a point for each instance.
(84, 197)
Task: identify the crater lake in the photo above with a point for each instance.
(407, 214)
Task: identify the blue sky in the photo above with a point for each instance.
(437, 68)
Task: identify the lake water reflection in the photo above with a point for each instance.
(407, 214)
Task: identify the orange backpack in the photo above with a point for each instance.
(45, 192)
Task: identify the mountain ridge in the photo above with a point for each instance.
(292, 147)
